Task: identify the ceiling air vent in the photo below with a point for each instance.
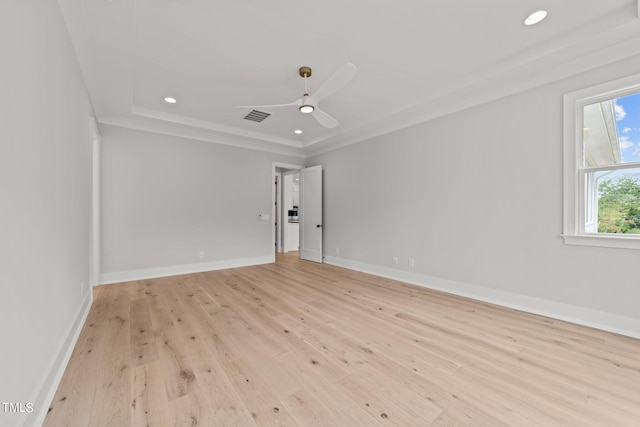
(256, 116)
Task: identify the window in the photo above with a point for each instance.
(602, 165)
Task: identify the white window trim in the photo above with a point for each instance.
(573, 198)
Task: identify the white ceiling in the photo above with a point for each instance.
(416, 60)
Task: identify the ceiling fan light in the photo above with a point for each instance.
(306, 109)
(535, 17)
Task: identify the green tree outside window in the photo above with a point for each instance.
(619, 206)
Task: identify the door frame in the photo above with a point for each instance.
(274, 173)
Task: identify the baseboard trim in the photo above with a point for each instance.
(51, 383)
(579, 315)
(175, 270)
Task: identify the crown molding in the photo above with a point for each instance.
(199, 134)
(210, 126)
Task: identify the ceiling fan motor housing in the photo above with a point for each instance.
(305, 71)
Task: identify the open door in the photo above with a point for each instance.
(311, 213)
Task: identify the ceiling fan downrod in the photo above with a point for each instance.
(305, 108)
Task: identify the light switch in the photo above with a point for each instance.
(263, 217)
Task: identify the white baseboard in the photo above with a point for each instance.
(175, 270)
(580, 315)
(52, 381)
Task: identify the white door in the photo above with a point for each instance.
(311, 213)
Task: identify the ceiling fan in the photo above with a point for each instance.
(308, 104)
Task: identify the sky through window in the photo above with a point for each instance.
(627, 111)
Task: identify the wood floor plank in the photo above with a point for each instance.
(74, 399)
(308, 410)
(330, 394)
(466, 415)
(394, 406)
(219, 394)
(143, 346)
(257, 394)
(149, 404)
(112, 393)
(296, 343)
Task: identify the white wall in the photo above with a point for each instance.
(165, 199)
(475, 198)
(45, 203)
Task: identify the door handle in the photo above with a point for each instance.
(319, 226)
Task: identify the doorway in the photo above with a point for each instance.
(284, 213)
(290, 202)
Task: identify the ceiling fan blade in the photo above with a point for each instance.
(336, 81)
(324, 119)
(297, 102)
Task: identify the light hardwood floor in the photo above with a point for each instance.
(298, 343)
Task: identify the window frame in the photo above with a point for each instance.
(574, 204)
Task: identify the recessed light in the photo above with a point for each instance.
(297, 131)
(535, 17)
(170, 100)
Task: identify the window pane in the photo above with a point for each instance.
(618, 203)
(612, 131)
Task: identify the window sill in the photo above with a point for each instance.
(603, 240)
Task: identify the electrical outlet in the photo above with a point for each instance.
(412, 263)
(337, 250)
(201, 254)
(394, 260)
